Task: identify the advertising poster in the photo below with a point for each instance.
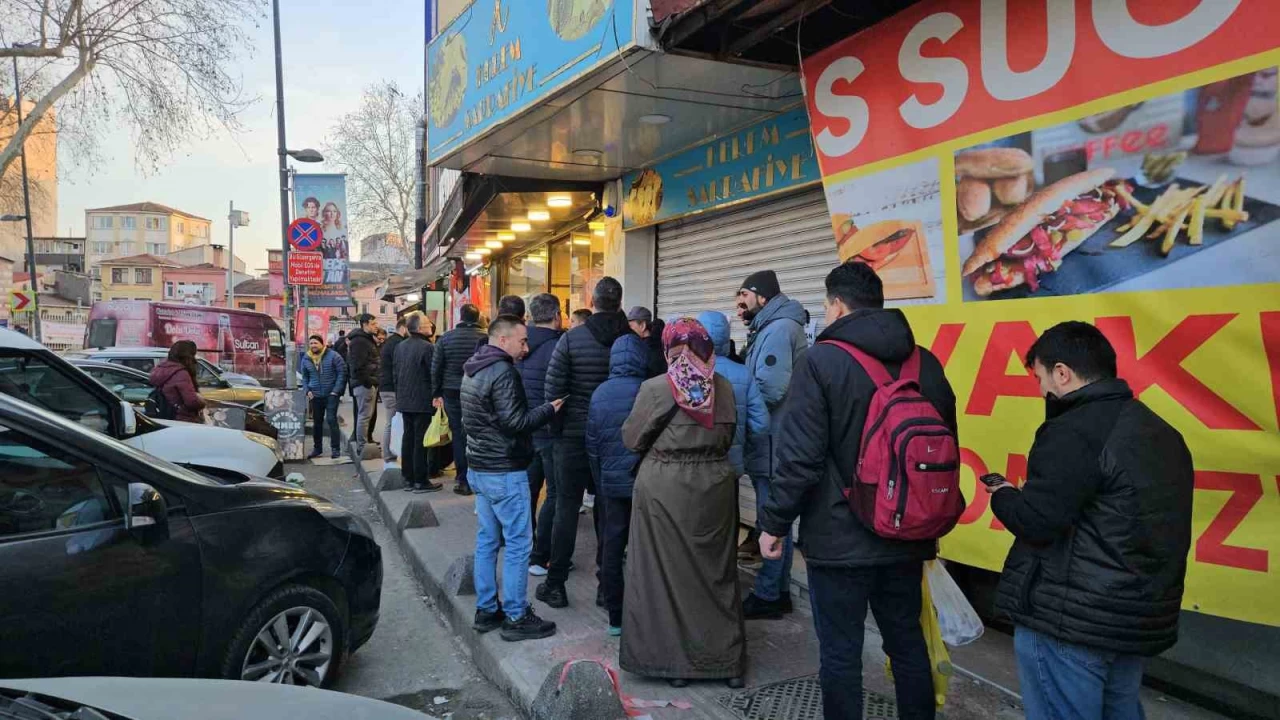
(1114, 162)
(287, 411)
(323, 198)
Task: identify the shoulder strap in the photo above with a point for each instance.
(875, 369)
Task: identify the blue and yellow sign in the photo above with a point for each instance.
(500, 56)
(765, 158)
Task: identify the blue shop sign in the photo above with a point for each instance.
(499, 57)
(759, 160)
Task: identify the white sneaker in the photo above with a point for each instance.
(537, 570)
(589, 501)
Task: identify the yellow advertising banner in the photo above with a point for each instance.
(1130, 179)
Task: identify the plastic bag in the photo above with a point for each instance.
(397, 433)
(438, 431)
(939, 659)
(958, 621)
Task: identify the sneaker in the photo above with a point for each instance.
(462, 489)
(315, 454)
(488, 621)
(432, 487)
(589, 501)
(553, 594)
(528, 627)
(417, 489)
(538, 570)
(755, 608)
(335, 454)
(614, 631)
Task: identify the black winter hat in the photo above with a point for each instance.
(763, 283)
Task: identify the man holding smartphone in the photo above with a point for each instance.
(1094, 581)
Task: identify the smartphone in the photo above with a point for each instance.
(993, 479)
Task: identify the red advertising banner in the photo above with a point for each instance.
(306, 268)
(944, 69)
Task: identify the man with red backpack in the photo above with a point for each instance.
(871, 556)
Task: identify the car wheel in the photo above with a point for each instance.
(295, 636)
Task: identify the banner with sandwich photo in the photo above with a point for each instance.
(1112, 161)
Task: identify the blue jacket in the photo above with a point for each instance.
(329, 378)
(775, 342)
(611, 403)
(753, 414)
(533, 373)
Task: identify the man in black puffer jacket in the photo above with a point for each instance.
(1102, 525)
(499, 449)
(412, 360)
(452, 351)
(578, 366)
(365, 362)
(544, 332)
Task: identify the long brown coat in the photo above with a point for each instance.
(682, 613)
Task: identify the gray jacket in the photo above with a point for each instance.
(774, 347)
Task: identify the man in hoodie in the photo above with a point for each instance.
(451, 353)
(387, 389)
(611, 462)
(544, 332)
(500, 426)
(364, 360)
(775, 342)
(849, 566)
(578, 365)
(413, 359)
(753, 413)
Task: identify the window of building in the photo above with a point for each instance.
(382, 309)
(103, 222)
(142, 276)
(364, 307)
(158, 248)
(182, 227)
(243, 305)
(125, 249)
(97, 297)
(102, 248)
(168, 289)
(119, 276)
(155, 223)
(129, 222)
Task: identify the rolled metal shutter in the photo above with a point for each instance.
(703, 260)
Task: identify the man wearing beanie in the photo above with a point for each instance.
(775, 342)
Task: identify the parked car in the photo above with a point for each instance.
(134, 387)
(170, 699)
(34, 374)
(212, 382)
(115, 562)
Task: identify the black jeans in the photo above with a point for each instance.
(415, 460)
(573, 479)
(541, 471)
(453, 407)
(324, 409)
(616, 533)
(839, 597)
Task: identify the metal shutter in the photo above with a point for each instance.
(703, 260)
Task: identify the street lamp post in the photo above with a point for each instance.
(26, 205)
(235, 219)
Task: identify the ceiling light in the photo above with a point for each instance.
(521, 227)
(590, 153)
(581, 241)
(539, 215)
(655, 119)
(495, 244)
(559, 201)
(598, 233)
(473, 256)
(596, 224)
(482, 251)
(506, 236)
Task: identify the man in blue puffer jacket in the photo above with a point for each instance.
(544, 333)
(611, 462)
(324, 377)
(753, 413)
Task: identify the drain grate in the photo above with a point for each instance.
(799, 699)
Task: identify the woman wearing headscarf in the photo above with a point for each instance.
(682, 612)
(176, 378)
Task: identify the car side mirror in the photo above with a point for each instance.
(148, 511)
(128, 419)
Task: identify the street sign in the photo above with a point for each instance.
(20, 300)
(305, 234)
(306, 268)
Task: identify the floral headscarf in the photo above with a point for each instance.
(691, 373)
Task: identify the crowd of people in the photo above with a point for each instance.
(660, 421)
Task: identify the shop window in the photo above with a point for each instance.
(527, 274)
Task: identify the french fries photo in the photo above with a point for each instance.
(1180, 210)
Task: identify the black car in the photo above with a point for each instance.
(114, 562)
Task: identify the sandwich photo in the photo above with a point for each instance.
(1032, 239)
(877, 245)
(989, 183)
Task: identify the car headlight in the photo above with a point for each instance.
(345, 520)
(264, 441)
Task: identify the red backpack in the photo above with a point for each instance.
(907, 483)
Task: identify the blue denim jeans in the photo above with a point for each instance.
(502, 507)
(1064, 681)
(324, 409)
(774, 577)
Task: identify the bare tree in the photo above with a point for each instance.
(161, 67)
(374, 145)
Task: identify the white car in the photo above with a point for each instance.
(34, 374)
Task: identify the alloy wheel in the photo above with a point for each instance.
(293, 648)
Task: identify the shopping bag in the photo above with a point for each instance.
(939, 658)
(438, 431)
(958, 621)
(397, 433)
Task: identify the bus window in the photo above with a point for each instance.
(102, 333)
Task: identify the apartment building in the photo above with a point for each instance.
(137, 277)
(144, 228)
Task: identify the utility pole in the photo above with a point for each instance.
(291, 345)
(26, 205)
(235, 219)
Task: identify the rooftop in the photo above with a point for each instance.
(202, 267)
(147, 207)
(143, 260)
(254, 287)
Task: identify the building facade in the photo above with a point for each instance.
(41, 150)
(137, 277)
(204, 284)
(144, 228)
(386, 249)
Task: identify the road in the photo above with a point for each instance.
(413, 659)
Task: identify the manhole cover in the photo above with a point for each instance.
(799, 699)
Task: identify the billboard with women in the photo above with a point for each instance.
(323, 198)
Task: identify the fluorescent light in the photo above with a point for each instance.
(412, 297)
(473, 256)
(539, 215)
(506, 236)
(598, 233)
(581, 241)
(521, 227)
(482, 251)
(495, 244)
(655, 119)
(596, 224)
(559, 201)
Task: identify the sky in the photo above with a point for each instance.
(332, 50)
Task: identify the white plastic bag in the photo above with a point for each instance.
(397, 433)
(958, 621)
